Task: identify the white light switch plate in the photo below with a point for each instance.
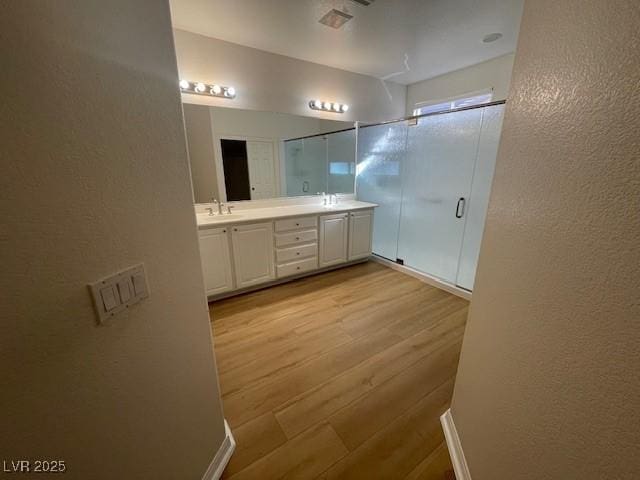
(117, 292)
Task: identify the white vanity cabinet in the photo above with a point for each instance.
(272, 246)
(253, 253)
(216, 260)
(334, 233)
(360, 234)
(296, 245)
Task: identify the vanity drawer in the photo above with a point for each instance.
(295, 253)
(297, 223)
(296, 237)
(294, 268)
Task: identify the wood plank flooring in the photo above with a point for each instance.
(342, 375)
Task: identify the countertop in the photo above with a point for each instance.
(250, 215)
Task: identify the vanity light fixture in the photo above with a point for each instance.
(334, 107)
(213, 90)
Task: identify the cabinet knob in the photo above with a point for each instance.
(224, 231)
(297, 224)
(235, 229)
(297, 253)
(297, 268)
(297, 238)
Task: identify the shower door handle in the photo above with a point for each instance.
(460, 207)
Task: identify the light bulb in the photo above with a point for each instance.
(344, 107)
(200, 87)
(231, 91)
(216, 89)
(336, 107)
(317, 103)
(184, 84)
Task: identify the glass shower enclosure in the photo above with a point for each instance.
(432, 179)
(320, 163)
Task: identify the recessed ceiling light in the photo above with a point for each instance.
(335, 18)
(492, 37)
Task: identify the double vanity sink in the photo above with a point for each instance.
(253, 247)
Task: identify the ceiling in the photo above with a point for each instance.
(400, 40)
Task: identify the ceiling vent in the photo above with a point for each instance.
(366, 3)
(335, 18)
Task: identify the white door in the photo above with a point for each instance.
(262, 169)
(253, 253)
(360, 225)
(216, 260)
(333, 239)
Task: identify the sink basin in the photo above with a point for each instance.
(221, 218)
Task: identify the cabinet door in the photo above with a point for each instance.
(253, 253)
(333, 239)
(216, 260)
(360, 225)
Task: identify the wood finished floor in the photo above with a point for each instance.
(337, 376)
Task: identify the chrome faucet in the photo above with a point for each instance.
(210, 210)
(335, 199)
(229, 207)
(220, 204)
(214, 201)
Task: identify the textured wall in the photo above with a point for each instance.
(549, 379)
(495, 73)
(94, 179)
(275, 83)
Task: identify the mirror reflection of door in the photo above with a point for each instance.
(236, 169)
(262, 168)
(249, 169)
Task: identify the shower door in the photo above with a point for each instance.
(480, 189)
(381, 152)
(436, 183)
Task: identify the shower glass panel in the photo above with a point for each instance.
(293, 154)
(306, 166)
(479, 199)
(381, 152)
(441, 152)
(341, 154)
(315, 162)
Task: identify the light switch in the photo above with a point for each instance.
(118, 292)
(109, 299)
(139, 284)
(124, 288)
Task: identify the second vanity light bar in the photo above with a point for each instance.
(328, 106)
(212, 90)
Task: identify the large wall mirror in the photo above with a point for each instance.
(240, 155)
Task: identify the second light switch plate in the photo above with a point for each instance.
(119, 291)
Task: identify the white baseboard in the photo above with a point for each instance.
(426, 278)
(455, 447)
(222, 457)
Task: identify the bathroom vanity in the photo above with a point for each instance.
(255, 247)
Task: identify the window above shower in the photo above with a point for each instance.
(453, 103)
